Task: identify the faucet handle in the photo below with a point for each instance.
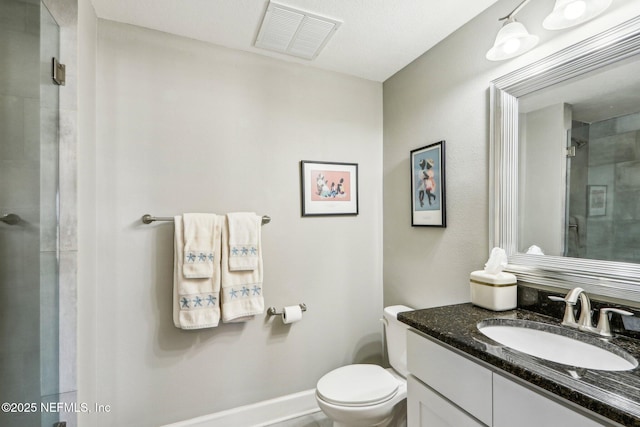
(603, 327)
(569, 318)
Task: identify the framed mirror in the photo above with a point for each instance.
(514, 182)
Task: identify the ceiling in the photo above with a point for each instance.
(377, 38)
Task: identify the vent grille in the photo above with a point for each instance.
(294, 32)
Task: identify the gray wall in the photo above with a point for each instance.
(543, 166)
(173, 113)
(87, 26)
(443, 95)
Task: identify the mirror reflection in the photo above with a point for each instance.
(579, 171)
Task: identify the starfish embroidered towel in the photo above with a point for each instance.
(241, 292)
(196, 302)
(199, 240)
(244, 240)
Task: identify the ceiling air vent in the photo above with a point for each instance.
(294, 32)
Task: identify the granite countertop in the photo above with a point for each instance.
(613, 395)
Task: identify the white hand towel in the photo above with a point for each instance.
(199, 239)
(244, 235)
(196, 302)
(242, 296)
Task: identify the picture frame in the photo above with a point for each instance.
(596, 200)
(428, 194)
(328, 188)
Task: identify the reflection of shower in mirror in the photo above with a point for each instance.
(579, 143)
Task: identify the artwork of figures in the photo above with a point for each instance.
(331, 185)
(427, 186)
(329, 188)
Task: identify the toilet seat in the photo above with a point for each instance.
(357, 385)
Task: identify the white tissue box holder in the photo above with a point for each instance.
(497, 292)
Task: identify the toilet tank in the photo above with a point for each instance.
(396, 338)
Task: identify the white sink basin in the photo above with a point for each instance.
(558, 344)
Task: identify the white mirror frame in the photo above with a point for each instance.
(618, 280)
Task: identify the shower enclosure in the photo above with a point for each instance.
(29, 120)
(603, 214)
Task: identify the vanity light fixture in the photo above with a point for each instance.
(569, 13)
(513, 39)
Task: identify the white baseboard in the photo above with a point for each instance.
(258, 414)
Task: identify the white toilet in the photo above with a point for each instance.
(369, 395)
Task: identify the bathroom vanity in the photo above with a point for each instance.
(461, 378)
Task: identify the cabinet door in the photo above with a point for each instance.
(425, 408)
(514, 404)
(453, 376)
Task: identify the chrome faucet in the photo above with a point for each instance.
(584, 322)
(570, 300)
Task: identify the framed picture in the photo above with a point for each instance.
(596, 200)
(329, 188)
(427, 186)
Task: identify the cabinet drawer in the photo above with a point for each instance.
(457, 378)
(425, 408)
(514, 404)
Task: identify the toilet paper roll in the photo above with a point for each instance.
(291, 314)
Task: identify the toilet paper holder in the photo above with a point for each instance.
(272, 311)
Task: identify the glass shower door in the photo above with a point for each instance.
(576, 202)
(29, 117)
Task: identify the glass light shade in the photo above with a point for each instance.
(512, 40)
(568, 13)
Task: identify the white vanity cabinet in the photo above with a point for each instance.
(460, 381)
(512, 401)
(426, 408)
(446, 389)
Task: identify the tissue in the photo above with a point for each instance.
(497, 261)
(493, 288)
(291, 314)
(534, 250)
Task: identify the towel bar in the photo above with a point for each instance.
(148, 219)
(272, 311)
